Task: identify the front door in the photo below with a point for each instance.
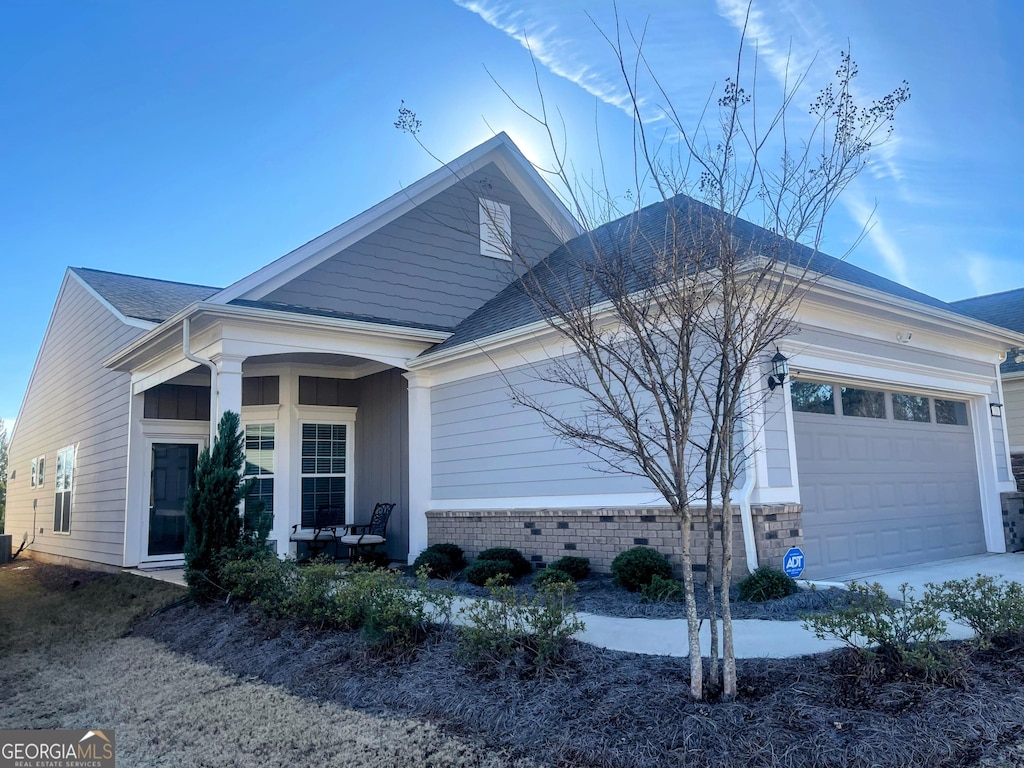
(174, 470)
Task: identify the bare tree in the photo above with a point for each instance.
(670, 311)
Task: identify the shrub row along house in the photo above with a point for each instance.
(373, 364)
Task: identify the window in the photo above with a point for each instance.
(866, 403)
(951, 412)
(495, 230)
(324, 469)
(910, 407)
(38, 472)
(811, 397)
(63, 479)
(259, 462)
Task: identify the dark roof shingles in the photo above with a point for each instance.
(513, 306)
(1005, 309)
(143, 298)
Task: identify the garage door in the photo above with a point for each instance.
(887, 478)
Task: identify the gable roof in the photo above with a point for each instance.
(143, 298)
(635, 233)
(500, 150)
(1005, 309)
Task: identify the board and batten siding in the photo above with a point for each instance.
(73, 400)
(382, 454)
(424, 267)
(381, 451)
(484, 446)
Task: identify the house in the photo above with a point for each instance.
(1006, 309)
(373, 364)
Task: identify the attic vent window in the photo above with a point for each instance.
(495, 230)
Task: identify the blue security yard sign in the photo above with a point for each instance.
(793, 563)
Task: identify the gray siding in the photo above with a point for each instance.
(381, 449)
(1013, 411)
(998, 436)
(776, 440)
(382, 454)
(424, 267)
(73, 400)
(485, 447)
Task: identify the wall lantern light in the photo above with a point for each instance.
(996, 409)
(780, 369)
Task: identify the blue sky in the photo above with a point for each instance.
(197, 141)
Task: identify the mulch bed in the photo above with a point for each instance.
(598, 594)
(605, 708)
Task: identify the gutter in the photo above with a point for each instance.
(186, 348)
(746, 492)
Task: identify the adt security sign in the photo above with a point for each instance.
(793, 564)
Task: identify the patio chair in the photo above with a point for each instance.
(327, 521)
(371, 535)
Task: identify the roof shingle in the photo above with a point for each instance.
(143, 298)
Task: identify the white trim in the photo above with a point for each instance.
(288, 322)
(150, 441)
(330, 415)
(420, 439)
(500, 150)
(142, 434)
(645, 500)
(132, 321)
(779, 494)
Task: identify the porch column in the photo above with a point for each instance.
(420, 487)
(228, 384)
(136, 504)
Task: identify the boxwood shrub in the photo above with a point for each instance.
(519, 564)
(634, 568)
(479, 571)
(577, 567)
(767, 583)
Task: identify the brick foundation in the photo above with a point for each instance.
(1013, 520)
(1017, 467)
(544, 535)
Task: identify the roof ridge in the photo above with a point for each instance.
(143, 277)
(988, 295)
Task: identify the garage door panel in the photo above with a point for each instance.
(879, 493)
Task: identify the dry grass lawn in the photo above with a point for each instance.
(64, 663)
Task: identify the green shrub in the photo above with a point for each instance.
(510, 625)
(520, 565)
(440, 560)
(577, 567)
(903, 631)
(263, 581)
(994, 610)
(377, 603)
(662, 590)
(634, 568)
(313, 597)
(453, 552)
(482, 571)
(551, 576)
(767, 584)
(211, 510)
(373, 558)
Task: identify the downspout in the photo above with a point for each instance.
(746, 492)
(186, 346)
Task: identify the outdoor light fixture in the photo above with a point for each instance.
(780, 369)
(1018, 356)
(996, 409)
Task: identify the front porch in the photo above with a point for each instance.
(325, 420)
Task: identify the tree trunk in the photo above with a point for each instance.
(692, 621)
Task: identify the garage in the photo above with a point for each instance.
(887, 478)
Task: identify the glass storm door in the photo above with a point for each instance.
(174, 469)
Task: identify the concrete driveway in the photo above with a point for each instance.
(1009, 566)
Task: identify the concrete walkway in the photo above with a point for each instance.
(754, 638)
